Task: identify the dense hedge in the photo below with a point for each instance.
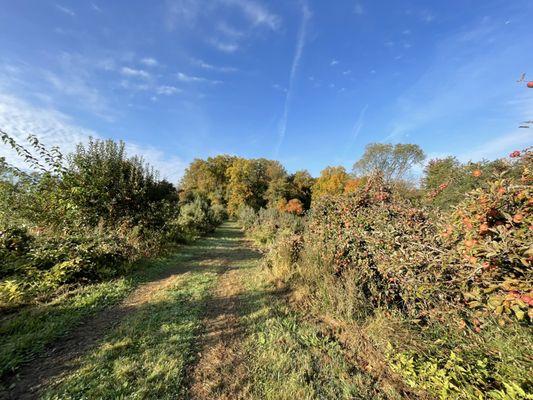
(443, 298)
(86, 217)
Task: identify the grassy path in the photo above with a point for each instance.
(208, 326)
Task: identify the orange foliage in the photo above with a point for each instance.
(295, 206)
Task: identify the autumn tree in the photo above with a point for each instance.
(278, 186)
(301, 183)
(207, 179)
(332, 180)
(247, 184)
(294, 206)
(393, 162)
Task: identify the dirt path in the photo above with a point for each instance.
(220, 364)
(64, 355)
(215, 373)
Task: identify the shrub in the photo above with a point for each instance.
(282, 256)
(52, 262)
(372, 249)
(295, 206)
(490, 237)
(14, 244)
(246, 216)
(430, 281)
(218, 214)
(195, 218)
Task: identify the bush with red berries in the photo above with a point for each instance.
(373, 249)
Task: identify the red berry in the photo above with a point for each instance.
(530, 84)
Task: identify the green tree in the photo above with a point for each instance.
(447, 180)
(393, 162)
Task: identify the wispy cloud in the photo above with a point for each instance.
(300, 43)
(71, 82)
(453, 96)
(427, 16)
(211, 67)
(65, 10)
(359, 123)
(334, 62)
(356, 129)
(224, 36)
(53, 128)
(96, 8)
(229, 31)
(279, 87)
(132, 72)
(256, 13)
(226, 47)
(191, 78)
(150, 62)
(167, 90)
(77, 87)
(358, 9)
(181, 13)
(500, 146)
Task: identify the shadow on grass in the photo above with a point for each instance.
(36, 332)
(162, 331)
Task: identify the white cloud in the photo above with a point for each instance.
(500, 146)
(107, 64)
(257, 14)
(210, 67)
(229, 31)
(127, 71)
(65, 10)
(454, 86)
(220, 34)
(279, 87)
(300, 43)
(150, 62)
(191, 78)
(226, 47)
(72, 81)
(333, 62)
(359, 123)
(20, 119)
(96, 8)
(187, 12)
(182, 12)
(427, 16)
(53, 128)
(167, 90)
(358, 9)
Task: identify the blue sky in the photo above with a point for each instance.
(307, 82)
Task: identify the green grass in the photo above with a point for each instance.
(290, 358)
(282, 353)
(147, 355)
(25, 334)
